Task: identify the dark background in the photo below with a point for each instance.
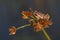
(10, 14)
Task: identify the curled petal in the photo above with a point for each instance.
(47, 16)
(37, 27)
(24, 17)
(26, 14)
(12, 30)
(38, 15)
(50, 22)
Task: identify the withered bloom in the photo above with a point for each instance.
(12, 30)
(26, 14)
(43, 20)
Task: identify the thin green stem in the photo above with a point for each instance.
(45, 34)
(23, 26)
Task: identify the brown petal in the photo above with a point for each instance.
(47, 16)
(24, 17)
(50, 22)
(38, 27)
(27, 13)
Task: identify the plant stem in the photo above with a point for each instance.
(23, 26)
(43, 31)
(45, 34)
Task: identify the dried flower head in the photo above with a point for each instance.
(12, 30)
(39, 21)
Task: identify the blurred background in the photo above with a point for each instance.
(10, 15)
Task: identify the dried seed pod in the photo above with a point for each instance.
(12, 30)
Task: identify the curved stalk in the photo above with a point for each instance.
(23, 26)
(45, 34)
